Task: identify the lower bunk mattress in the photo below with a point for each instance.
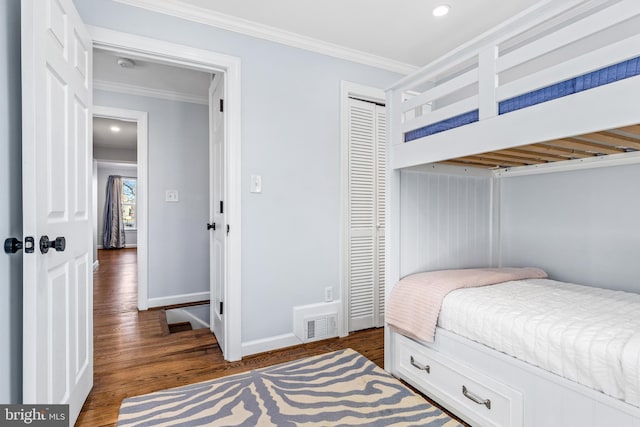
(588, 335)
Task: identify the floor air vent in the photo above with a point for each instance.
(318, 328)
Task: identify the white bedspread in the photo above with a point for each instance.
(588, 335)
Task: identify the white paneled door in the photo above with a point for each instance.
(218, 227)
(56, 153)
(366, 221)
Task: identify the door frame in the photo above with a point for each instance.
(365, 93)
(212, 62)
(141, 118)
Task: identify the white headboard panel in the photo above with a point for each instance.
(445, 221)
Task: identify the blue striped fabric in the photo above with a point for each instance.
(603, 76)
(453, 122)
(539, 96)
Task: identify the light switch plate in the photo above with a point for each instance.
(171, 196)
(256, 184)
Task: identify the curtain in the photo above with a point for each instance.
(113, 230)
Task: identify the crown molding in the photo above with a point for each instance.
(147, 91)
(189, 12)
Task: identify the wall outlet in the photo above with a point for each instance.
(328, 294)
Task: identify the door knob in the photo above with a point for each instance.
(210, 226)
(13, 245)
(59, 244)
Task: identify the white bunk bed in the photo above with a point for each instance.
(579, 59)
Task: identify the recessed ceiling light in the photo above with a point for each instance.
(441, 10)
(115, 129)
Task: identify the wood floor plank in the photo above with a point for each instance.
(133, 355)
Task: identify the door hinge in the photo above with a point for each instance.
(221, 308)
(211, 226)
(222, 105)
(221, 206)
(228, 228)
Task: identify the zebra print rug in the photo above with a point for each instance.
(342, 388)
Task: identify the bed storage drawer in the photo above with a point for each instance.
(472, 395)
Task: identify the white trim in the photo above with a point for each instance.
(205, 16)
(178, 299)
(149, 92)
(268, 344)
(116, 164)
(96, 264)
(348, 89)
(142, 178)
(632, 158)
(208, 61)
(451, 170)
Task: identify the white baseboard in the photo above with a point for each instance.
(268, 344)
(96, 264)
(178, 299)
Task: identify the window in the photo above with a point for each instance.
(129, 203)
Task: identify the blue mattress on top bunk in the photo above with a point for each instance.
(581, 83)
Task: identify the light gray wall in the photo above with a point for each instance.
(580, 226)
(10, 204)
(178, 159)
(131, 236)
(291, 137)
(115, 154)
(445, 221)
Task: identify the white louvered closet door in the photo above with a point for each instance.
(366, 222)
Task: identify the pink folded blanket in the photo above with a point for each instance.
(415, 301)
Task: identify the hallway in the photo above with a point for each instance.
(133, 355)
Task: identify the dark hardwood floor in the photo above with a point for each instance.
(133, 355)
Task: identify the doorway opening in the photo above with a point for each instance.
(129, 45)
(162, 177)
(114, 154)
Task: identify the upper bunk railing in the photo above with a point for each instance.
(541, 50)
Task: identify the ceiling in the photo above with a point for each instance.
(156, 78)
(104, 137)
(145, 78)
(614, 141)
(404, 31)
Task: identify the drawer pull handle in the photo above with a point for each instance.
(472, 396)
(426, 368)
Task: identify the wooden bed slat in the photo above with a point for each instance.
(493, 163)
(525, 152)
(614, 139)
(635, 129)
(589, 147)
(593, 144)
(497, 156)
